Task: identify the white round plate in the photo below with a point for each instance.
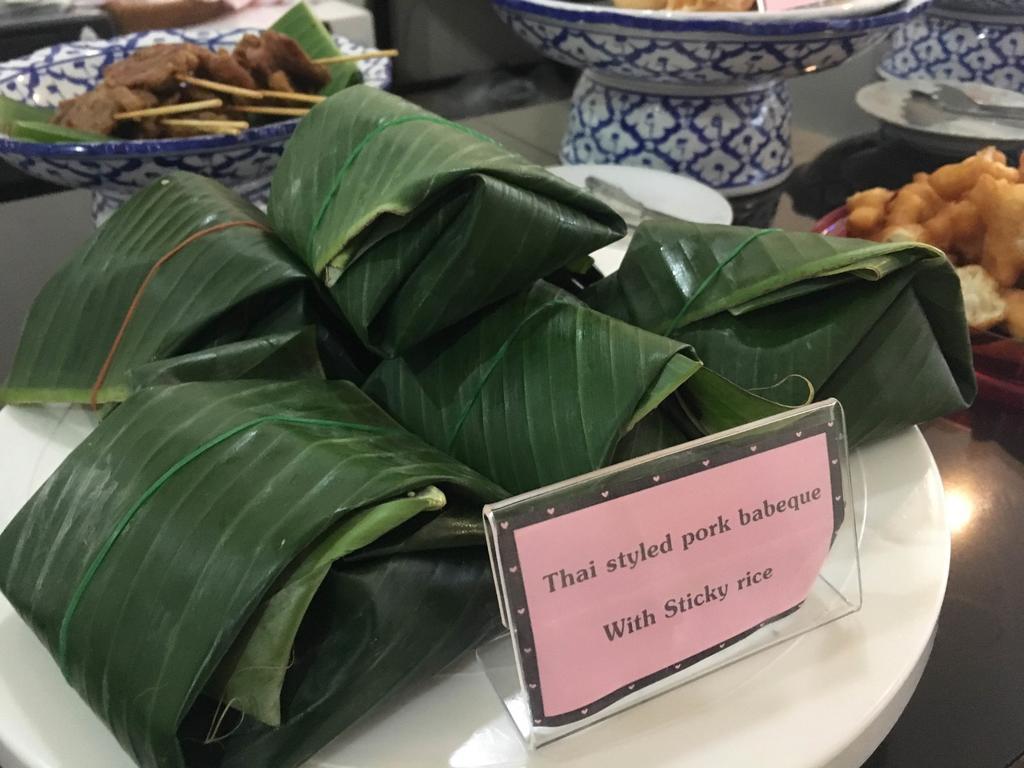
(823, 9)
(946, 134)
(667, 193)
(826, 698)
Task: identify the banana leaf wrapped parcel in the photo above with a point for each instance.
(231, 573)
(185, 265)
(414, 222)
(542, 388)
(798, 316)
(186, 566)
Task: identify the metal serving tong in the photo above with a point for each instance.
(957, 102)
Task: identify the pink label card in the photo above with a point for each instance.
(616, 582)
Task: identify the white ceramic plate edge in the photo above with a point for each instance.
(692, 200)
(874, 97)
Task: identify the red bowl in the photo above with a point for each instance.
(998, 359)
(833, 223)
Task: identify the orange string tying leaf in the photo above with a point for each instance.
(105, 369)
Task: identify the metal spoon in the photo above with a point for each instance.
(632, 211)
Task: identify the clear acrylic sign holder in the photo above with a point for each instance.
(835, 593)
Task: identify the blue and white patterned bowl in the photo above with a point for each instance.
(957, 45)
(691, 49)
(994, 7)
(118, 168)
(688, 93)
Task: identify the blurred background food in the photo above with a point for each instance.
(140, 15)
(208, 90)
(689, 5)
(974, 211)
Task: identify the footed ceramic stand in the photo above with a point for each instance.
(974, 41)
(734, 138)
(703, 95)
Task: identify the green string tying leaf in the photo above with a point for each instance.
(358, 149)
(492, 366)
(713, 276)
(499, 356)
(180, 464)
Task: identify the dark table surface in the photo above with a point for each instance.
(27, 27)
(968, 711)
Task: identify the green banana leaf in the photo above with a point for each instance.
(252, 675)
(301, 24)
(414, 222)
(32, 123)
(12, 111)
(34, 130)
(279, 356)
(227, 286)
(191, 537)
(878, 326)
(369, 647)
(542, 388)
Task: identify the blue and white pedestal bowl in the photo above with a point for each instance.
(704, 96)
(967, 40)
(116, 169)
(990, 7)
(736, 142)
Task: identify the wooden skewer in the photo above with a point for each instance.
(213, 85)
(388, 53)
(223, 131)
(310, 98)
(217, 126)
(171, 109)
(289, 111)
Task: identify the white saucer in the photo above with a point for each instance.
(946, 133)
(826, 698)
(667, 193)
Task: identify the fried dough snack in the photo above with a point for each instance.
(914, 204)
(984, 305)
(1001, 205)
(867, 211)
(952, 182)
(972, 210)
(1015, 313)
